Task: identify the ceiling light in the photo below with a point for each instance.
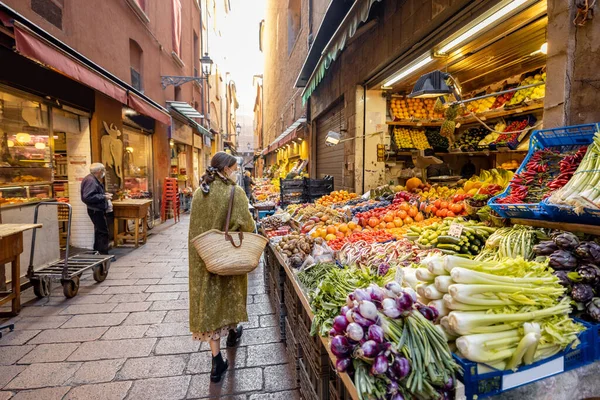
(432, 85)
(23, 137)
(40, 146)
(332, 138)
(129, 149)
(409, 69)
(504, 11)
(10, 143)
(544, 48)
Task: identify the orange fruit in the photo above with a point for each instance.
(390, 225)
(352, 225)
(404, 206)
(388, 218)
(408, 220)
(398, 222)
(412, 211)
(402, 214)
(373, 222)
(330, 237)
(419, 217)
(343, 228)
(331, 230)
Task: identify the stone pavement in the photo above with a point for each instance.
(128, 337)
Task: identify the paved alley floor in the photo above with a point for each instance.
(128, 337)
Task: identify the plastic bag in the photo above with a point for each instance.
(322, 253)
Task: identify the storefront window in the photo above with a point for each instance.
(136, 164)
(25, 149)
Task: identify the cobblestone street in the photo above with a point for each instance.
(128, 337)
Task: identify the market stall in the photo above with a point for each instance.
(430, 290)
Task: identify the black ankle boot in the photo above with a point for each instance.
(219, 366)
(234, 336)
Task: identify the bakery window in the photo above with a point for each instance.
(25, 149)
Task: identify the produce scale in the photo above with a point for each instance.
(429, 291)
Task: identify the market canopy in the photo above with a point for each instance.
(189, 112)
(358, 13)
(288, 135)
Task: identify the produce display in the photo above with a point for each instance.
(386, 339)
(513, 132)
(336, 197)
(546, 171)
(412, 281)
(533, 93)
(437, 141)
(410, 138)
(413, 108)
(470, 139)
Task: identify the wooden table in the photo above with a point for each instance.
(11, 247)
(137, 210)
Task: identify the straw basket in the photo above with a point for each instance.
(225, 255)
(239, 256)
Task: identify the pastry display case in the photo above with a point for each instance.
(17, 195)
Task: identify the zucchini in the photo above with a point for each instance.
(450, 252)
(447, 246)
(448, 239)
(415, 229)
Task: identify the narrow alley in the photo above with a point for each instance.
(128, 337)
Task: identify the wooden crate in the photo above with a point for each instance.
(293, 350)
(313, 350)
(312, 387)
(292, 303)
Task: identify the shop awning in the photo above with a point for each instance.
(188, 112)
(142, 107)
(287, 135)
(33, 42)
(37, 49)
(336, 11)
(358, 13)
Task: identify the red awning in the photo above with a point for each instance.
(143, 107)
(32, 47)
(6, 20)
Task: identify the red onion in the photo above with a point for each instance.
(390, 309)
(343, 364)
(368, 310)
(362, 321)
(394, 287)
(355, 332)
(376, 333)
(401, 367)
(340, 346)
(404, 302)
(340, 323)
(380, 365)
(377, 293)
(368, 349)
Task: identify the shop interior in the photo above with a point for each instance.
(503, 49)
(292, 157)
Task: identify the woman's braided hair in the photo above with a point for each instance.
(219, 162)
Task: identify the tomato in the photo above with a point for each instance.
(434, 210)
(444, 204)
(388, 218)
(437, 203)
(456, 208)
(443, 213)
(450, 214)
(373, 222)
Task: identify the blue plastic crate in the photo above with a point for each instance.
(565, 139)
(481, 381)
(266, 213)
(594, 337)
(563, 213)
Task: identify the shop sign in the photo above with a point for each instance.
(197, 141)
(181, 132)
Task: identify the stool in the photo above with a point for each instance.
(136, 235)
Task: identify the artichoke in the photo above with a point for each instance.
(545, 248)
(588, 251)
(593, 309)
(563, 279)
(582, 293)
(562, 260)
(566, 241)
(589, 274)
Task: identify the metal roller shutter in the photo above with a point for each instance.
(330, 159)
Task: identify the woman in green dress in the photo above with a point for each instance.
(217, 303)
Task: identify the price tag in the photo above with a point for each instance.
(455, 230)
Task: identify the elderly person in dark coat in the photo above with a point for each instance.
(97, 201)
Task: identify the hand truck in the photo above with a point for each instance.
(68, 270)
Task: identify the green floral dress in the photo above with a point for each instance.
(217, 303)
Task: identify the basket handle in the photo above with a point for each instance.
(230, 239)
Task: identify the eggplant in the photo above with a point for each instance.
(567, 241)
(582, 293)
(562, 260)
(545, 248)
(593, 309)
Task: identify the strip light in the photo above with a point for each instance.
(482, 25)
(416, 65)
